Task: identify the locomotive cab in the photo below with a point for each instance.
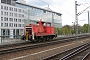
(29, 30)
(28, 33)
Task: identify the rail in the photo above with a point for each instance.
(64, 55)
(14, 49)
(75, 52)
(86, 56)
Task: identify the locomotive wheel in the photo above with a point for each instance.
(38, 40)
(47, 38)
(32, 41)
(44, 39)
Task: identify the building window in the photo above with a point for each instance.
(1, 18)
(15, 9)
(1, 24)
(19, 25)
(23, 11)
(5, 24)
(11, 19)
(19, 10)
(5, 13)
(1, 12)
(12, 14)
(15, 14)
(10, 24)
(1, 7)
(19, 15)
(5, 8)
(10, 8)
(19, 20)
(15, 20)
(15, 25)
(22, 20)
(5, 19)
(22, 15)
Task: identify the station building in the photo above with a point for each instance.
(14, 15)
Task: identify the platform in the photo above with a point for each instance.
(10, 41)
(6, 41)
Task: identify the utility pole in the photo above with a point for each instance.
(52, 19)
(76, 19)
(88, 22)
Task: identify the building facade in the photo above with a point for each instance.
(11, 18)
(15, 15)
(33, 13)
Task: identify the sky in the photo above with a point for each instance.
(66, 8)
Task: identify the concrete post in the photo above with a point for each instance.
(0, 23)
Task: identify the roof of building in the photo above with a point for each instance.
(39, 8)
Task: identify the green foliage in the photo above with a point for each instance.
(71, 29)
(58, 30)
(85, 28)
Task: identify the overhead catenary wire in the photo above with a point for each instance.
(63, 10)
(83, 11)
(66, 12)
(57, 8)
(84, 4)
(44, 2)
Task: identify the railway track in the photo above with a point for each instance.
(62, 39)
(87, 56)
(73, 53)
(24, 46)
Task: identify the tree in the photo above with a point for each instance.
(85, 28)
(67, 29)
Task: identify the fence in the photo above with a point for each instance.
(8, 39)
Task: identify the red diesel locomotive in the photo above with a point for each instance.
(40, 32)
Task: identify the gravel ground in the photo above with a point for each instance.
(40, 53)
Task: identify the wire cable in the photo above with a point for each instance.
(58, 8)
